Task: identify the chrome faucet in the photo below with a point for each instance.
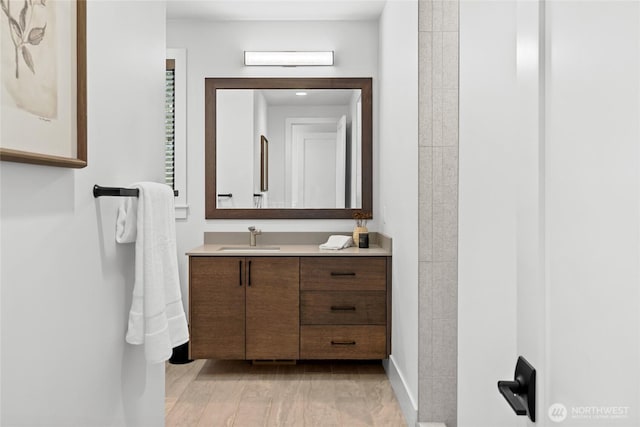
(254, 233)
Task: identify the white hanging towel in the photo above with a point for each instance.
(156, 318)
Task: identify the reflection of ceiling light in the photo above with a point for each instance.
(301, 93)
(288, 59)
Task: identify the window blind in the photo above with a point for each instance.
(169, 121)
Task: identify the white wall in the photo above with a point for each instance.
(487, 217)
(66, 285)
(234, 133)
(215, 49)
(398, 201)
(354, 163)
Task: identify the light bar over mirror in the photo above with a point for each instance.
(288, 59)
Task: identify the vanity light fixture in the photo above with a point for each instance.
(301, 93)
(288, 58)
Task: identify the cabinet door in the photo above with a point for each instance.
(273, 314)
(216, 308)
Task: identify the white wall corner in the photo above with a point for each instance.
(403, 394)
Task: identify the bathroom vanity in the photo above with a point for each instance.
(289, 300)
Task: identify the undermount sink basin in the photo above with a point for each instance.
(250, 249)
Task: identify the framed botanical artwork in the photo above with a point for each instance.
(43, 82)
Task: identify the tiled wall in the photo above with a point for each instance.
(438, 218)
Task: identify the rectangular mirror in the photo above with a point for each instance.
(287, 148)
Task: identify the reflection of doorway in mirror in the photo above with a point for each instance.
(316, 170)
(294, 128)
(318, 154)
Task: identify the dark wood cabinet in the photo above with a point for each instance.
(345, 308)
(244, 308)
(217, 307)
(272, 302)
(289, 308)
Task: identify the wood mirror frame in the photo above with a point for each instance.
(213, 84)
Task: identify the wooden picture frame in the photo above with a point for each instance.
(264, 163)
(50, 127)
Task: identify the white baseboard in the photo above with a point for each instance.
(406, 401)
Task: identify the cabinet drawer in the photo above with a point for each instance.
(343, 308)
(342, 342)
(343, 273)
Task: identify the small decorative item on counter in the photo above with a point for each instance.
(363, 240)
(361, 218)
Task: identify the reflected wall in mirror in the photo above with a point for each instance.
(318, 160)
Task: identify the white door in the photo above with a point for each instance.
(549, 264)
(294, 128)
(318, 165)
(316, 170)
(582, 318)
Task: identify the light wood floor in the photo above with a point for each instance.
(236, 393)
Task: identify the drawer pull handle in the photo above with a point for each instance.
(343, 308)
(337, 273)
(343, 343)
(240, 271)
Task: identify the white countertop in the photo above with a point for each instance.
(285, 250)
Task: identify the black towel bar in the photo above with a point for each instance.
(99, 191)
